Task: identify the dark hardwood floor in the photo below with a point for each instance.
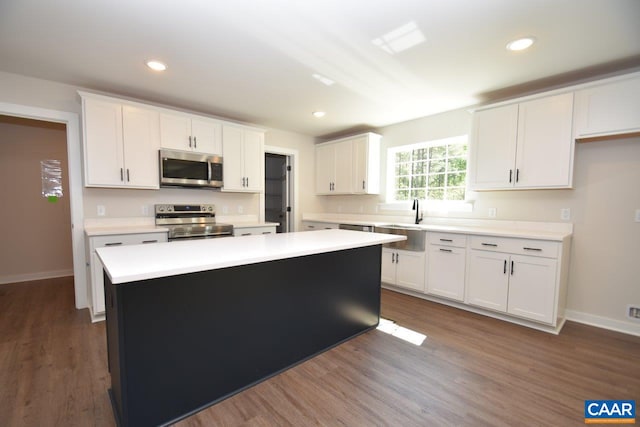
(470, 371)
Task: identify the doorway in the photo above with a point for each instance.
(278, 191)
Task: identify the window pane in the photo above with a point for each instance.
(403, 169)
(438, 152)
(417, 194)
(419, 168)
(420, 154)
(456, 179)
(458, 164)
(436, 180)
(402, 195)
(457, 150)
(403, 156)
(418, 181)
(402, 182)
(455, 194)
(436, 166)
(437, 194)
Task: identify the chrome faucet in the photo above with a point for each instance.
(417, 209)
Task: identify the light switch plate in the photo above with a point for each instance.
(101, 210)
(565, 214)
(492, 212)
(637, 217)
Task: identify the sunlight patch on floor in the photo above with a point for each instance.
(392, 328)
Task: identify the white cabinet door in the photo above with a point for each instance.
(325, 168)
(388, 267)
(544, 154)
(493, 148)
(232, 157)
(343, 168)
(410, 270)
(488, 280)
(97, 281)
(175, 131)
(141, 144)
(253, 160)
(532, 288)
(207, 136)
(609, 109)
(446, 270)
(103, 143)
(360, 150)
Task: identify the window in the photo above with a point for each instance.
(432, 171)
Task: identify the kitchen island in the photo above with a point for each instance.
(192, 323)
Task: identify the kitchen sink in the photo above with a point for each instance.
(416, 236)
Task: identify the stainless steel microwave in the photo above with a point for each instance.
(187, 169)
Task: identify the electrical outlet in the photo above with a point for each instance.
(225, 209)
(240, 209)
(633, 312)
(492, 212)
(637, 217)
(145, 210)
(101, 210)
(361, 209)
(565, 214)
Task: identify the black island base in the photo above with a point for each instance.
(179, 344)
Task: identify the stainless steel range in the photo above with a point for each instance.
(191, 222)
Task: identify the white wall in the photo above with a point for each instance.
(605, 260)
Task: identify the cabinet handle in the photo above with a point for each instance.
(121, 174)
(493, 245)
(446, 240)
(512, 268)
(445, 250)
(311, 226)
(504, 270)
(397, 258)
(195, 142)
(393, 258)
(266, 232)
(533, 249)
(128, 175)
(517, 174)
(113, 244)
(247, 181)
(150, 241)
(189, 141)
(246, 234)
(510, 175)
(363, 184)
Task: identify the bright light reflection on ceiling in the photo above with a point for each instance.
(392, 328)
(400, 39)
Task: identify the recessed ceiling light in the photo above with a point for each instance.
(521, 44)
(400, 39)
(156, 65)
(318, 114)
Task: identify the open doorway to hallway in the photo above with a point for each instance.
(278, 193)
(36, 230)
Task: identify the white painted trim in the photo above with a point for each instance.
(603, 322)
(72, 121)
(16, 278)
(293, 154)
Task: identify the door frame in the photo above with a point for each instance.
(293, 176)
(74, 156)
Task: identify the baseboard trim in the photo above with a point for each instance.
(603, 322)
(35, 276)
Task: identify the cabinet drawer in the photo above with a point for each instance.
(542, 248)
(249, 231)
(448, 239)
(127, 239)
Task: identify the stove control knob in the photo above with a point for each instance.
(210, 208)
(169, 208)
(160, 208)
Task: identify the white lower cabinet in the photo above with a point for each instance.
(526, 286)
(95, 278)
(251, 231)
(314, 225)
(446, 266)
(403, 268)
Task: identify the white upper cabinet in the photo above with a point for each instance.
(526, 145)
(608, 109)
(349, 165)
(243, 157)
(121, 144)
(190, 133)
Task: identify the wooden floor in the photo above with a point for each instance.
(470, 371)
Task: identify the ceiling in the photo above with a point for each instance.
(254, 60)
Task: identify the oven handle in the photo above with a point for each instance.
(209, 172)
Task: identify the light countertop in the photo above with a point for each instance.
(139, 262)
(123, 229)
(254, 224)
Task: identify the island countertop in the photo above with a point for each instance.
(140, 262)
